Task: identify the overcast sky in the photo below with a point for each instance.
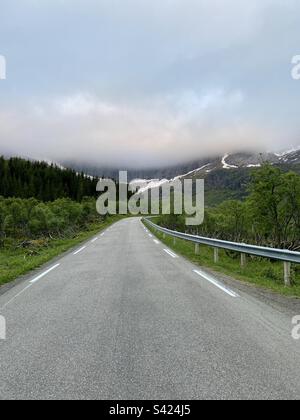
(148, 82)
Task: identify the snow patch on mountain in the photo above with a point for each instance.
(143, 185)
(226, 165)
(288, 152)
(227, 162)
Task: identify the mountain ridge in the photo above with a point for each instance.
(204, 165)
(228, 177)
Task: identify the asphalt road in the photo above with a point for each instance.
(125, 319)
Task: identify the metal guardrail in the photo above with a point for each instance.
(286, 256)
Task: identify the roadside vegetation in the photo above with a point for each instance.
(16, 261)
(258, 272)
(33, 232)
(269, 216)
(44, 211)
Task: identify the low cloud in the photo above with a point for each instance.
(161, 131)
(147, 83)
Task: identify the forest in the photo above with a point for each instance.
(268, 216)
(26, 179)
(38, 200)
(41, 200)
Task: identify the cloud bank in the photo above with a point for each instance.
(168, 129)
(139, 84)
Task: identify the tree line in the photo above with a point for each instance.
(25, 179)
(269, 216)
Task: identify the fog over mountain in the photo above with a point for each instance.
(148, 84)
(200, 168)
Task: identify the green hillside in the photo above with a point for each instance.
(223, 184)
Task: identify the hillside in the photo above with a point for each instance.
(228, 177)
(202, 165)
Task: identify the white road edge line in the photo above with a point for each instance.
(156, 241)
(170, 253)
(151, 236)
(216, 283)
(17, 295)
(94, 240)
(44, 274)
(79, 250)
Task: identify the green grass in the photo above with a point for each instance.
(258, 272)
(17, 262)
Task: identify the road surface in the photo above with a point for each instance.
(122, 317)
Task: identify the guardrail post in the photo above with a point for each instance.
(243, 260)
(287, 274)
(216, 255)
(243, 249)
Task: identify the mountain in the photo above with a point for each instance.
(228, 177)
(291, 158)
(153, 173)
(200, 166)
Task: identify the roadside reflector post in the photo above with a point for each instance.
(243, 260)
(197, 249)
(287, 274)
(174, 240)
(216, 255)
(164, 235)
